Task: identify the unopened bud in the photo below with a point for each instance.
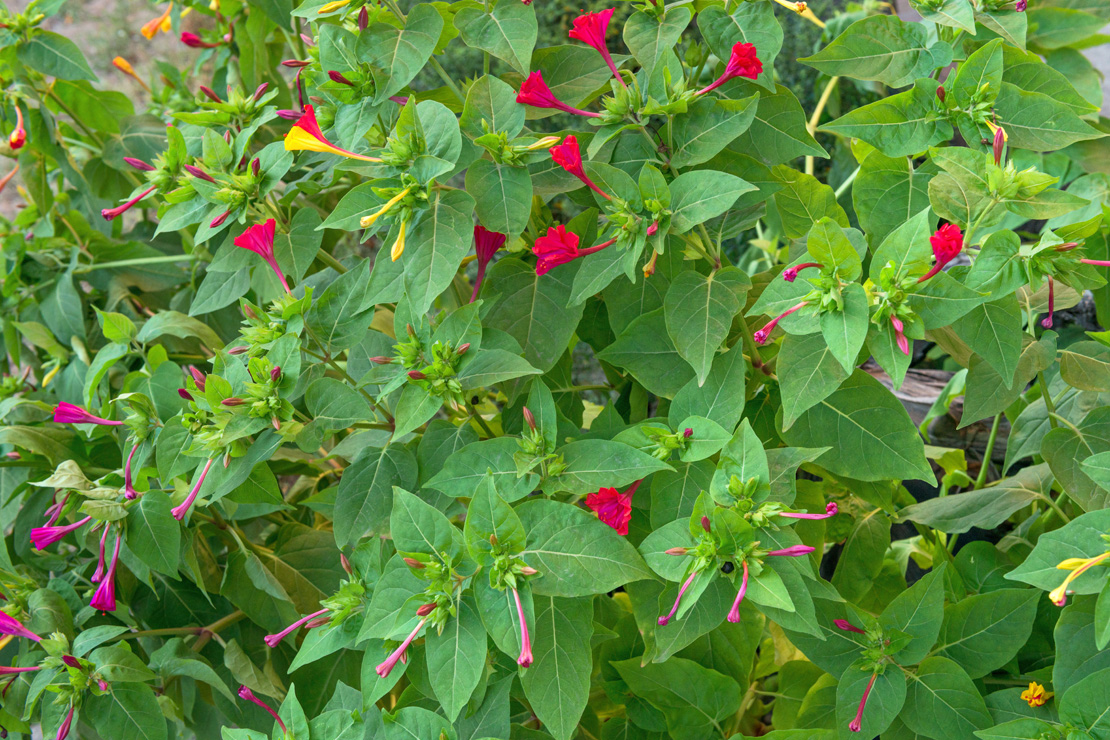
(227, 136)
(529, 419)
(410, 331)
(289, 115)
(941, 93)
(238, 350)
(462, 349)
(260, 91)
(275, 423)
(425, 609)
(211, 94)
(218, 221)
(249, 312)
(999, 144)
(256, 166)
(275, 374)
(1066, 246)
(138, 164)
(338, 77)
(346, 564)
(381, 360)
(687, 433)
(363, 18)
(185, 394)
(676, 551)
(295, 63)
(417, 375)
(13, 455)
(199, 173)
(100, 682)
(71, 661)
(528, 571)
(493, 539)
(198, 376)
(705, 523)
(308, 39)
(232, 402)
(413, 563)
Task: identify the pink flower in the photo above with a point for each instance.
(856, 724)
(181, 509)
(138, 164)
(612, 507)
(105, 597)
(273, 640)
(63, 730)
(129, 491)
(196, 42)
(947, 243)
(559, 247)
(734, 613)
(844, 624)
(525, 657)
(567, 156)
(830, 510)
(763, 334)
(742, 63)
(791, 273)
(793, 551)
(245, 693)
(110, 213)
(198, 173)
(678, 600)
(591, 29)
(42, 537)
(383, 669)
(1046, 322)
(535, 92)
(899, 335)
(67, 413)
(9, 625)
(12, 670)
(55, 511)
(98, 574)
(260, 240)
(486, 244)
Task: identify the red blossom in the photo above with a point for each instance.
(947, 243)
(568, 156)
(591, 29)
(260, 240)
(742, 63)
(535, 92)
(613, 507)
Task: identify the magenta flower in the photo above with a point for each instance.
(181, 509)
(383, 669)
(99, 572)
(856, 724)
(275, 639)
(791, 273)
(525, 657)
(486, 244)
(1046, 322)
(11, 670)
(743, 62)
(613, 507)
(678, 600)
(245, 693)
(734, 613)
(198, 173)
(105, 597)
(67, 413)
(763, 334)
(42, 537)
(260, 240)
(830, 510)
(63, 730)
(129, 491)
(899, 335)
(139, 164)
(558, 247)
(946, 242)
(591, 29)
(844, 624)
(567, 156)
(196, 42)
(110, 213)
(793, 551)
(55, 511)
(9, 625)
(535, 92)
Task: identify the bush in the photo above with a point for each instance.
(390, 374)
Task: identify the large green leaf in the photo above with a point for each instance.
(898, 125)
(508, 32)
(436, 245)
(943, 702)
(55, 56)
(1079, 538)
(694, 700)
(882, 48)
(365, 496)
(397, 55)
(646, 350)
(699, 311)
(558, 683)
(984, 632)
(699, 196)
(457, 657)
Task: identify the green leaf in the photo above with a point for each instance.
(751, 23)
(153, 534)
(694, 700)
(130, 711)
(491, 100)
(1065, 449)
(397, 55)
(55, 56)
(984, 632)
(709, 126)
(778, 134)
(1039, 122)
(871, 434)
(943, 702)
(979, 78)
(592, 463)
(918, 612)
(883, 703)
(558, 682)
(177, 325)
(1097, 468)
(808, 373)
(436, 245)
(651, 39)
(336, 405)
(1086, 366)
(646, 351)
(417, 527)
(489, 519)
(699, 312)
(954, 13)
(882, 48)
(502, 194)
(1085, 704)
(887, 193)
(1079, 538)
(364, 499)
(803, 201)
(714, 398)
(464, 470)
(986, 393)
(845, 331)
(898, 125)
(986, 508)
(457, 658)
(699, 196)
(575, 553)
(491, 367)
(993, 330)
(508, 32)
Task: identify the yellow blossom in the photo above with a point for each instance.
(1077, 566)
(399, 245)
(368, 221)
(333, 6)
(1035, 695)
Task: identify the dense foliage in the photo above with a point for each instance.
(351, 397)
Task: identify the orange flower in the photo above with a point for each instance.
(162, 23)
(125, 66)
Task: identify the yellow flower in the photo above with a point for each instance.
(307, 136)
(1077, 566)
(995, 128)
(368, 221)
(332, 7)
(162, 23)
(399, 245)
(1035, 695)
(125, 66)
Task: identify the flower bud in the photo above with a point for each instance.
(198, 173)
(138, 164)
(528, 571)
(211, 94)
(363, 18)
(413, 563)
(346, 564)
(529, 419)
(705, 523)
(941, 93)
(275, 374)
(256, 167)
(71, 661)
(232, 402)
(380, 360)
(676, 551)
(218, 221)
(338, 77)
(260, 91)
(416, 375)
(687, 433)
(295, 63)
(425, 609)
(185, 394)
(249, 312)
(238, 350)
(462, 349)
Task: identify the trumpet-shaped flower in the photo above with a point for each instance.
(307, 136)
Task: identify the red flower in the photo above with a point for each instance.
(742, 63)
(110, 213)
(260, 240)
(557, 247)
(486, 244)
(613, 507)
(591, 28)
(19, 135)
(567, 156)
(196, 42)
(947, 243)
(535, 92)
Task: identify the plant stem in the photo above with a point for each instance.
(1049, 406)
(324, 256)
(846, 184)
(811, 127)
(137, 261)
(989, 452)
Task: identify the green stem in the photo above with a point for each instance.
(324, 256)
(989, 452)
(1055, 507)
(478, 418)
(846, 184)
(1049, 406)
(439, 70)
(137, 261)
